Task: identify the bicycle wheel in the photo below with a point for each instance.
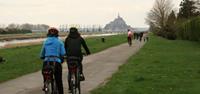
(55, 89)
(47, 87)
(73, 83)
(78, 84)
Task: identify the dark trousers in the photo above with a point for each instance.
(57, 75)
(129, 39)
(80, 65)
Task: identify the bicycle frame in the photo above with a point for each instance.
(74, 76)
(50, 84)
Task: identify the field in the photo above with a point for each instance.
(24, 60)
(161, 67)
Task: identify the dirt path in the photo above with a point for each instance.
(97, 68)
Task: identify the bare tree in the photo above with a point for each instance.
(198, 5)
(11, 26)
(158, 15)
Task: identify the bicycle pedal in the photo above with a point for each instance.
(82, 78)
(46, 89)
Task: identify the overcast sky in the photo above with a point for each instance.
(56, 12)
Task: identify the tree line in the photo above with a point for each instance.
(23, 28)
(165, 22)
(14, 31)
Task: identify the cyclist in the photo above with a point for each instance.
(73, 47)
(52, 51)
(130, 34)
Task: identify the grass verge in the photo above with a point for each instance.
(161, 67)
(24, 60)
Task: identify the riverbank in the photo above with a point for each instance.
(36, 41)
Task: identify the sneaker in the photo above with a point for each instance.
(82, 78)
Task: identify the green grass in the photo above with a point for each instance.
(24, 60)
(96, 45)
(161, 67)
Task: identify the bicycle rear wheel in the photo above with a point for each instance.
(55, 89)
(47, 87)
(78, 82)
(73, 83)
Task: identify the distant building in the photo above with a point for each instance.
(117, 25)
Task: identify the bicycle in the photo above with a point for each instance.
(74, 75)
(50, 83)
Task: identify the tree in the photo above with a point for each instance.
(26, 26)
(12, 25)
(187, 9)
(198, 7)
(170, 30)
(158, 16)
(43, 27)
(198, 4)
(171, 18)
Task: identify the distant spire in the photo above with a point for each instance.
(118, 15)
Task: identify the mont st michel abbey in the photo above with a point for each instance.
(118, 25)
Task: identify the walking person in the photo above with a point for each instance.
(141, 36)
(129, 38)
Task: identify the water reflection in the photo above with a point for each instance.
(38, 40)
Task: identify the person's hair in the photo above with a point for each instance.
(52, 32)
(73, 32)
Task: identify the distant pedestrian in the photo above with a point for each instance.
(146, 37)
(103, 39)
(137, 35)
(140, 36)
(129, 38)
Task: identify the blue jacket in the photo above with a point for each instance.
(52, 49)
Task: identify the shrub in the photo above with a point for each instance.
(190, 30)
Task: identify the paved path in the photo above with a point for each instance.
(97, 68)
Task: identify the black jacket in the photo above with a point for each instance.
(73, 46)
